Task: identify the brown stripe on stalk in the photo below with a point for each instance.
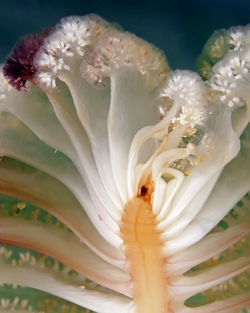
(144, 253)
(19, 66)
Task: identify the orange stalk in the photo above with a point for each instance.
(144, 253)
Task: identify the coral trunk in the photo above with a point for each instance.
(144, 252)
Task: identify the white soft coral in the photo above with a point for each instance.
(92, 128)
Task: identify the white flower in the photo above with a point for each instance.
(140, 163)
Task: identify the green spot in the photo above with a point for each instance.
(72, 273)
(60, 266)
(49, 262)
(197, 300)
(233, 213)
(223, 224)
(18, 211)
(240, 204)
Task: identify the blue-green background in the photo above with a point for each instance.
(180, 28)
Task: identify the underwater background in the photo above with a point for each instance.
(179, 28)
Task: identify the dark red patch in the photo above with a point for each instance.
(19, 66)
(4, 243)
(144, 191)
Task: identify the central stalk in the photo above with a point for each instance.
(144, 252)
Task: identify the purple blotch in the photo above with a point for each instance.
(19, 67)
